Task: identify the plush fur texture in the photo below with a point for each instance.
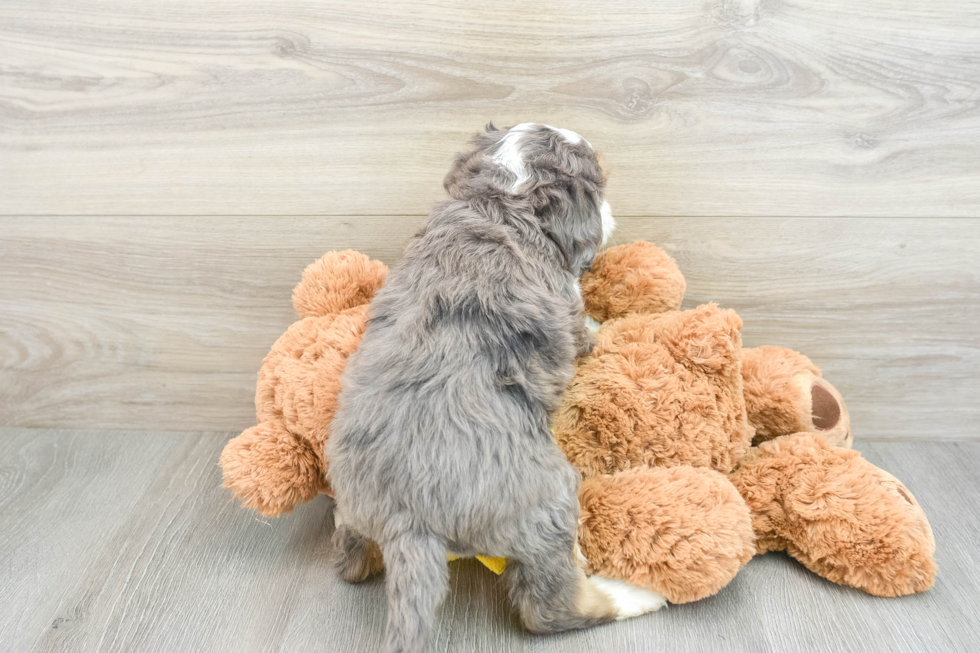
(658, 390)
(674, 390)
(441, 441)
(280, 463)
(683, 532)
(785, 393)
(635, 278)
(838, 514)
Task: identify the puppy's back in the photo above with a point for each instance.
(465, 354)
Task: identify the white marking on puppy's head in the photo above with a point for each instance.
(572, 138)
(510, 156)
(608, 222)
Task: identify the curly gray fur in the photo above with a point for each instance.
(442, 440)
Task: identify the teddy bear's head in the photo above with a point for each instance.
(667, 387)
(662, 387)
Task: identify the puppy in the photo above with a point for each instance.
(442, 439)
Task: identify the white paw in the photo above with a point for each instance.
(630, 600)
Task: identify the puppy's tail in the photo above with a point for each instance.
(417, 578)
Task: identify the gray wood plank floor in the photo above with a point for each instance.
(125, 542)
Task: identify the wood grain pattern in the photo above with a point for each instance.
(124, 541)
(887, 308)
(131, 322)
(718, 108)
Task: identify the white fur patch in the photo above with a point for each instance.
(592, 325)
(508, 155)
(572, 138)
(608, 222)
(630, 600)
(508, 152)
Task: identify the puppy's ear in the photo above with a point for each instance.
(466, 166)
(472, 171)
(569, 215)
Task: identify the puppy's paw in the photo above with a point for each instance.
(630, 601)
(356, 558)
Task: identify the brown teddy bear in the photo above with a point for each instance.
(666, 390)
(279, 463)
(668, 519)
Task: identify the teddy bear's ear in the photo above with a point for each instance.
(336, 282)
(628, 279)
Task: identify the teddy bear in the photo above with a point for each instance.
(663, 516)
(279, 463)
(665, 391)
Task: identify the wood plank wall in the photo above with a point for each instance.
(167, 170)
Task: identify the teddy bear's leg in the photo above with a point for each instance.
(838, 514)
(682, 532)
(785, 394)
(355, 556)
(270, 469)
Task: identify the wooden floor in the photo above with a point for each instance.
(168, 168)
(124, 541)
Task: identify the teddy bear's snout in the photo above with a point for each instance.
(826, 411)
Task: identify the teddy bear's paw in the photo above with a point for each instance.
(828, 414)
(630, 600)
(271, 470)
(635, 278)
(839, 515)
(885, 548)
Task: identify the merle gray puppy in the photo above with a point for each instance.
(442, 439)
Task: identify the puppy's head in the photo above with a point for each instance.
(555, 169)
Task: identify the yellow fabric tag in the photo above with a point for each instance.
(496, 565)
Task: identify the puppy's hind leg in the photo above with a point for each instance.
(355, 557)
(552, 593)
(417, 582)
